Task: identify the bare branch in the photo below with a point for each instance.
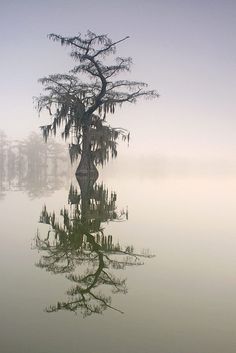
(110, 46)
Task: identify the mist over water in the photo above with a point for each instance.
(182, 298)
(143, 259)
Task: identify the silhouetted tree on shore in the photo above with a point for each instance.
(32, 165)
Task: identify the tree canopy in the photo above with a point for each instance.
(79, 101)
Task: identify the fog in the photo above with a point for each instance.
(145, 254)
(185, 50)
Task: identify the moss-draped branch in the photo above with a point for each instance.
(88, 93)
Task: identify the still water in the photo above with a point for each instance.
(129, 264)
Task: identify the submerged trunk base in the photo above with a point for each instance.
(87, 170)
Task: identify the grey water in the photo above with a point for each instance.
(138, 263)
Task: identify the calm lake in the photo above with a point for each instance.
(132, 264)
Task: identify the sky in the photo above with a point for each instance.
(186, 50)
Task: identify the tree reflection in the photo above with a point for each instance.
(77, 246)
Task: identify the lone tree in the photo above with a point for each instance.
(79, 102)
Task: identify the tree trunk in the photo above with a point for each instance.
(86, 166)
(86, 193)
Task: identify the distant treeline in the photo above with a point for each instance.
(31, 162)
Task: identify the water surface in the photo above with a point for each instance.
(180, 301)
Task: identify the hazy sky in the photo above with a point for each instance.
(184, 49)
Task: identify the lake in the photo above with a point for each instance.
(137, 262)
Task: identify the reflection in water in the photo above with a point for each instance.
(78, 247)
(32, 165)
